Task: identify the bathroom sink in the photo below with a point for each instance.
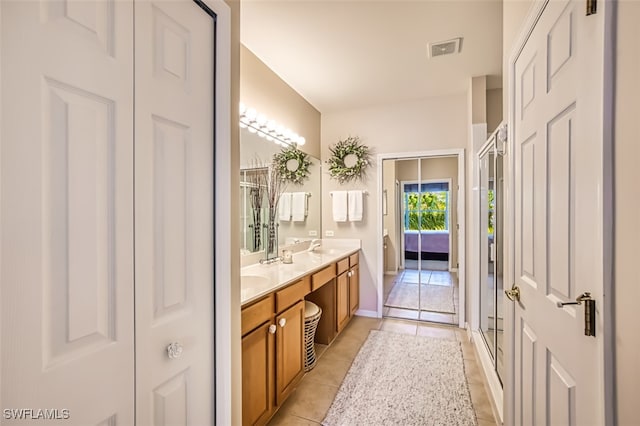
(322, 250)
(251, 281)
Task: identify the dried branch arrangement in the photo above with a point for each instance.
(256, 178)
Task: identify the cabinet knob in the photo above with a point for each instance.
(272, 329)
(282, 322)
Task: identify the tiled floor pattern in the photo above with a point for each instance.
(443, 278)
(310, 402)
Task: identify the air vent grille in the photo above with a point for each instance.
(447, 47)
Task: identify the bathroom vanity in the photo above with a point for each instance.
(273, 319)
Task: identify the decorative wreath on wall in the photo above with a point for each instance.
(349, 160)
(292, 164)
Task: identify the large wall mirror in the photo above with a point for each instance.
(256, 156)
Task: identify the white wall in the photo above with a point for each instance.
(627, 211)
(494, 109)
(429, 124)
(262, 89)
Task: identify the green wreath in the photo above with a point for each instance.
(287, 172)
(350, 146)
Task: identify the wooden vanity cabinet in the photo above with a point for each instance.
(273, 347)
(347, 291)
(272, 351)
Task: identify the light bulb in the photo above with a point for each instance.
(272, 125)
(301, 141)
(251, 129)
(251, 114)
(261, 120)
(243, 108)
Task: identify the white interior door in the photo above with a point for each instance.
(174, 44)
(558, 131)
(66, 209)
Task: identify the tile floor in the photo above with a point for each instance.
(310, 402)
(433, 277)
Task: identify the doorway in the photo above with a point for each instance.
(422, 245)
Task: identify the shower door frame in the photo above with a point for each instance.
(461, 199)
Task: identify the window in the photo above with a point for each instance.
(427, 209)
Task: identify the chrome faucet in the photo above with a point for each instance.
(314, 244)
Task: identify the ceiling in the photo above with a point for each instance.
(342, 54)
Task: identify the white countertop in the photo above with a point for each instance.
(259, 280)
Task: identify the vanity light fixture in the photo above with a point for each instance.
(258, 123)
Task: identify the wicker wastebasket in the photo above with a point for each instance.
(312, 313)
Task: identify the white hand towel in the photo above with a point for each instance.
(355, 206)
(298, 206)
(284, 206)
(339, 199)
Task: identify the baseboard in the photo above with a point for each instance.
(493, 385)
(365, 313)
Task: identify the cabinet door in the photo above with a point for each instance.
(354, 290)
(342, 300)
(257, 375)
(290, 350)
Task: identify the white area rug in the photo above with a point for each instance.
(399, 379)
(436, 298)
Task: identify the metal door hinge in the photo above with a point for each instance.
(592, 7)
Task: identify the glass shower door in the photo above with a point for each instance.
(490, 236)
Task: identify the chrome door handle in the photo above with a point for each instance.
(513, 294)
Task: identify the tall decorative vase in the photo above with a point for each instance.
(271, 234)
(257, 229)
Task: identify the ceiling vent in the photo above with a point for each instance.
(448, 47)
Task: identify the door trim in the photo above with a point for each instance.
(227, 363)
(461, 221)
(608, 350)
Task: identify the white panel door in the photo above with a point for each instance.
(66, 203)
(559, 218)
(174, 44)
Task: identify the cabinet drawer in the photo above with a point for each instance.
(322, 277)
(256, 314)
(343, 265)
(292, 294)
(353, 260)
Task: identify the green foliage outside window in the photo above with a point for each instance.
(492, 208)
(426, 211)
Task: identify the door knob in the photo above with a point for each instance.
(272, 329)
(282, 322)
(174, 350)
(513, 294)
